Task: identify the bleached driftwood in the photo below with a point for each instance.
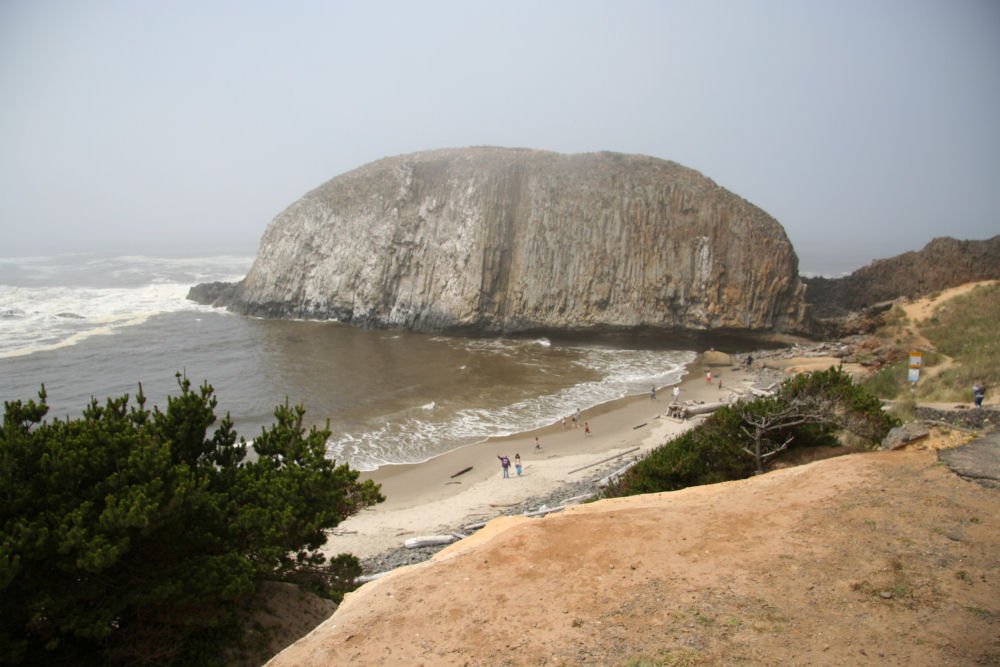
(576, 500)
(428, 541)
(604, 481)
(597, 463)
(704, 408)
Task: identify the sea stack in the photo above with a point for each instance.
(495, 240)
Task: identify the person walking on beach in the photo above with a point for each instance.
(505, 464)
(749, 361)
(576, 418)
(538, 445)
(708, 376)
(677, 393)
(564, 423)
(586, 429)
(652, 393)
(978, 394)
(517, 464)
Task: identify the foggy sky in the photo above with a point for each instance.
(866, 128)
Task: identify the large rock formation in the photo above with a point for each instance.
(943, 263)
(507, 240)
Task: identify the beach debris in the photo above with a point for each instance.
(428, 541)
(705, 408)
(610, 458)
(576, 500)
(639, 426)
(605, 481)
(461, 472)
(541, 511)
(677, 412)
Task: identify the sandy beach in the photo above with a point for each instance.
(427, 499)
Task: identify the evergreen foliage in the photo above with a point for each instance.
(133, 536)
(808, 410)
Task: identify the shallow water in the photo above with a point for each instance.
(90, 326)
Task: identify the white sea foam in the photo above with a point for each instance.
(39, 310)
(415, 438)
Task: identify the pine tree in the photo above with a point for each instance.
(133, 536)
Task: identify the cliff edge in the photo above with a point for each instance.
(879, 558)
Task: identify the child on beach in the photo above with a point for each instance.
(538, 445)
(517, 464)
(586, 429)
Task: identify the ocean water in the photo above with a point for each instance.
(95, 327)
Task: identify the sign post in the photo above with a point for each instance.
(916, 361)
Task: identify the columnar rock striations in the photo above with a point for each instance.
(494, 240)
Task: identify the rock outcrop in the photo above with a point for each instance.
(943, 263)
(493, 240)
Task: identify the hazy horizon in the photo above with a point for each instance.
(865, 129)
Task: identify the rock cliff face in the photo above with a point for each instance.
(493, 240)
(944, 262)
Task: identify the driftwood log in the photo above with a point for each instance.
(704, 408)
(428, 541)
(597, 463)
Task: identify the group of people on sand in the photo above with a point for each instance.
(577, 418)
(505, 460)
(505, 464)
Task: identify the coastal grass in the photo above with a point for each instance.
(965, 329)
(962, 333)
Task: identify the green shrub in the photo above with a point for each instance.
(706, 454)
(808, 410)
(131, 536)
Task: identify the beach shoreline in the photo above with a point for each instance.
(466, 485)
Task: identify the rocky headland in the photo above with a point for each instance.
(944, 262)
(503, 241)
(495, 240)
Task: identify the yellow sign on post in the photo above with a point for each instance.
(916, 361)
